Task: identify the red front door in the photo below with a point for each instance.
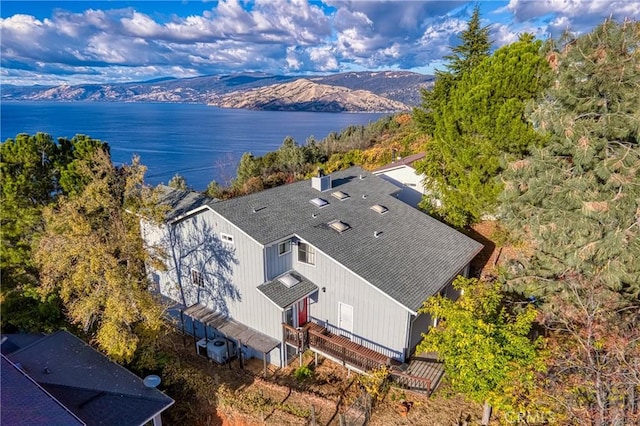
(302, 312)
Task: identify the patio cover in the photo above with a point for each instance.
(232, 328)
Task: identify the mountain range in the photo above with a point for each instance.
(384, 91)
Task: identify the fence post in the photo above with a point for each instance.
(313, 416)
(341, 417)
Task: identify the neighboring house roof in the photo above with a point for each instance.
(93, 388)
(284, 296)
(13, 342)
(181, 203)
(406, 161)
(24, 402)
(412, 257)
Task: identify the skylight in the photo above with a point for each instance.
(340, 195)
(379, 209)
(339, 226)
(319, 202)
(288, 280)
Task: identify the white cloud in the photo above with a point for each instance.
(276, 36)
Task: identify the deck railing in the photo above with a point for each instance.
(295, 336)
(346, 355)
(411, 382)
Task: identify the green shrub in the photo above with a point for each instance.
(303, 373)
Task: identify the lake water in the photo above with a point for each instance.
(200, 142)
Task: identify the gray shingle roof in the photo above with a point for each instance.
(412, 257)
(180, 203)
(24, 402)
(284, 296)
(93, 388)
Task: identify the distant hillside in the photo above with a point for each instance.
(306, 95)
(401, 87)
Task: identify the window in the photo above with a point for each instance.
(378, 208)
(340, 195)
(196, 278)
(339, 226)
(306, 254)
(284, 247)
(319, 202)
(226, 238)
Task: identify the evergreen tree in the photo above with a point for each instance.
(478, 129)
(578, 197)
(577, 200)
(475, 46)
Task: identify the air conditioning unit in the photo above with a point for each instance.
(218, 349)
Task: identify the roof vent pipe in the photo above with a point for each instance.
(377, 233)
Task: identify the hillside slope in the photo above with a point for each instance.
(399, 86)
(305, 95)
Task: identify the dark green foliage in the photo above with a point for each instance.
(474, 48)
(463, 59)
(34, 171)
(479, 128)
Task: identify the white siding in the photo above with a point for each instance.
(378, 322)
(231, 271)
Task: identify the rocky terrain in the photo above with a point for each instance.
(354, 91)
(306, 95)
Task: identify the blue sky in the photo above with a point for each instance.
(70, 42)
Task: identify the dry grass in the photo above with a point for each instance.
(235, 397)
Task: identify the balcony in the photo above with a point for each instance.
(421, 374)
(339, 348)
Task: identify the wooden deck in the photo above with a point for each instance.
(423, 373)
(340, 348)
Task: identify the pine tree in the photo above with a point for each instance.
(578, 197)
(577, 201)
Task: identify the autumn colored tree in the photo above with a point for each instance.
(91, 255)
(486, 349)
